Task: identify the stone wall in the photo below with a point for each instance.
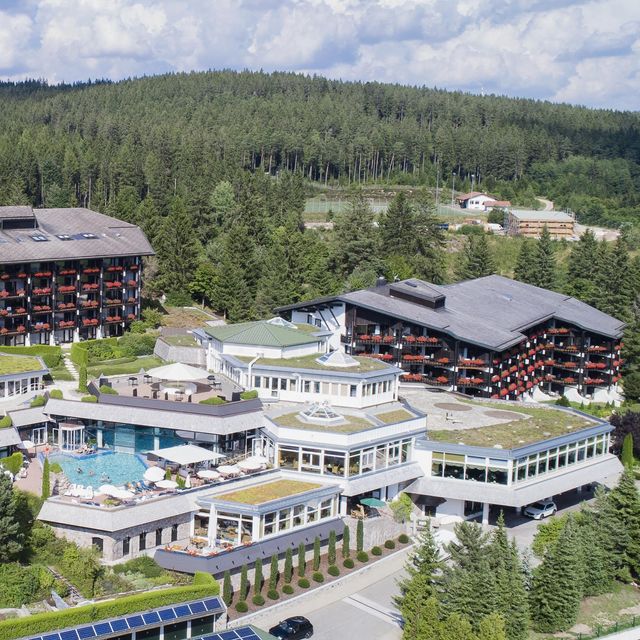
(195, 355)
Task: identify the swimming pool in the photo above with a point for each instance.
(94, 469)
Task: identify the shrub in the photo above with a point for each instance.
(242, 606)
(213, 400)
(178, 299)
(288, 589)
(376, 551)
(273, 573)
(244, 583)
(317, 576)
(46, 480)
(145, 565)
(105, 388)
(56, 394)
(333, 570)
(331, 553)
(140, 344)
(12, 463)
(273, 594)
(360, 536)
(403, 538)
(257, 577)
(200, 578)
(5, 422)
(563, 401)
(348, 563)
(248, 395)
(303, 583)
(389, 544)
(227, 589)
(54, 467)
(346, 535)
(288, 566)
(302, 564)
(18, 585)
(362, 556)
(258, 600)
(38, 401)
(88, 399)
(82, 379)
(402, 507)
(316, 553)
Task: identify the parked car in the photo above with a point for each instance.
(540, 510)
(292, 629)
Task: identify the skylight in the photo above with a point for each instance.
(321, 413)
(39, 238)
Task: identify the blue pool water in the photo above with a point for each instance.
(88, 470)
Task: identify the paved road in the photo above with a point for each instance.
(548, 205)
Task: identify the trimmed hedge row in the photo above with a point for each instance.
(51, 356)
(203, 585)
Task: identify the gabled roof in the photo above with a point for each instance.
(471, 194)
(262, 333)
(541, 216)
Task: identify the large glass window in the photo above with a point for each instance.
(476, 469)
(310, 461)
(454, 466)
(334, 463)
(437, 463)
(288, 458)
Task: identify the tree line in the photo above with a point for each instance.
(486, 589)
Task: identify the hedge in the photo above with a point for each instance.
(88, 399)
(5, 422)
(248, 395)
(12, 463)
(38, 401)
(203, 586)
(56, 394)
(213, 400)
(51, 356)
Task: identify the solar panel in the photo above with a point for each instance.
(212, 603)
(167, 614)
(119, 625)
(151, 617)
(86, 632)
(245, 632)
(197, 607)
(102, 628)
(52, 636)
(135, 621)
(229, 635)
(182, 611)
(70, 634)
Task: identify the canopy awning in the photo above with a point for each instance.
(178, 372)
(186, 454)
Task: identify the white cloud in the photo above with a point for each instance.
(583, 51)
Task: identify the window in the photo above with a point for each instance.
(310, 461)
(158, 537)
(269, 523)
(454, 466)
(256, 382)
(174, 533)
(288, 458)
(334, 463)
(143, 541)
(283, 384)
(306, 386)
(368, 460)
(353, 390)
(325, 508)
(98, 543)
(200, 626)
(316, 387)
(176, 631)
(437, 459)
(126, 546)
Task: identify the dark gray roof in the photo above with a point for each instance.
(16, 212)
(112, 237)
(491, 311)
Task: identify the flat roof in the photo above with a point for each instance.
(491, 312)
(11, 364)
(365, 365)
(268, 491)
(70, 234)
(541, 216)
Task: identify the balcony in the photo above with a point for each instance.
(15, 313)
(472, 363)
(113, 284)
(111, 302)
(42, 274)
(5, 294)
(41, 291)
(567, 348)
(364, 338)
(113, 319)
(67, 272)
(13, 331)
(595, 382)
(66, 324)
(412, 377)
(471, 382)
(90, 322)
(66, 306)
(385, 357)
(90, 270)
(41, 326)
(558, 331)
(598, 365)
(37, 308)
(597, 349)
(90, 286)
(66, 288)
(421, 341)
(114, 269)
(440, 381)
(90, 304)
(132, 284)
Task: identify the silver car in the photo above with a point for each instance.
(540, 510)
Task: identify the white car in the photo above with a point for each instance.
(539, 510)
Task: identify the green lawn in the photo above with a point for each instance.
(540, 424)
(121, 368)
(180, 341)
(310, 362)
(390, 417)
(268, 491)
(60, 373)
(18, 364)
(352, 424)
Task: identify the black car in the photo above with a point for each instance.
(292, 629)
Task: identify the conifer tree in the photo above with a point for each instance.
(598, 561)
(424, 562)
(617, 295)
(525, 263)
(492, 627)
(544, 273)
(302, 563)
(257, 577)
(227, 590)
(557, 584)
(288, 566)
(273, 573)
(331, 552)
(420, 614)
(346, 543)
(10, 534)
(360, 536)
(244, 583)
(582, 280)
(316, 553)
(627, 451)
(46, 479)
(457, 627)
(477, 258)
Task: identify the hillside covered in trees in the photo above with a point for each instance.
(111, 144)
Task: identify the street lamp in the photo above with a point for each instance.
(473, 175)
(453, 185)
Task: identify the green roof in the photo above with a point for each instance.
(261, 333)
(268, 491)
(310, 361)
(10, 364)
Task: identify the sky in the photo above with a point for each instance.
(578, 51)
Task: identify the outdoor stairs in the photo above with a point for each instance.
(76, 596)
(71, 368)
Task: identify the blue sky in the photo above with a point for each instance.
(578, 51)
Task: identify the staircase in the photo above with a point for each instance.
(75, 595)
(70, 367)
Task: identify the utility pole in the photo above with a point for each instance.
(437, 184)
(453, 186)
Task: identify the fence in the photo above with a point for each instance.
(602, 631)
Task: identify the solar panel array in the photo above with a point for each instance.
(243, 633)
(125, 624)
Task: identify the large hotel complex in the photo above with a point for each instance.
(409, 387)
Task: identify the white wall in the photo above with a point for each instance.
(477, 202)
(326, 322)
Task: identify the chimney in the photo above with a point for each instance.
(381, 281)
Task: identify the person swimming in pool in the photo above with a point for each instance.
(105, 478)
(79, 470)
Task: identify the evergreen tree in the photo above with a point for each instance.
(420, 614)
(331, 553)
(631, 354)
(557, 584)
(457, 627)
(544, 273)
(582, 280)
(469, 587)
(511, 596)
(10, 534)
(524, 269)
(224, 207)
(288, 565)
(302, 563)
(424, 562)
(346, 543)
(360, 536)
(204, 285)
(598, 562)
(617, 295)
(257, 577)
(273, 573)
(492, 627)
(244, 584)
(627, 451)
(46, 479)
(227, 589)
(477, 259)
(82, 379)
(148, 218)
(316, 553)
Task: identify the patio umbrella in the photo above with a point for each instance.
(373, 502)
(208, 474)
(154, 474)
(167, 484)
(178, 372)
(228, 469)
(122, 494)
(26, 444)
(257, 459)
(108, 489)
(249, 465)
